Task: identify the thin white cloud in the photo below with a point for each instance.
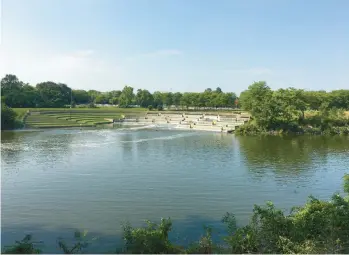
(83, 53)
(79, 69)
(251, 71)
(156, 54)
(168, 52)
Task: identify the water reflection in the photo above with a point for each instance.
(35, 147)
(290, 154)
(95, 178)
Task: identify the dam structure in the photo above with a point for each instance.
(226, 122)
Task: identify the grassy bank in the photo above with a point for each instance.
(76, 117)
(317, 227)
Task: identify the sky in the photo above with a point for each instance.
(177, 45)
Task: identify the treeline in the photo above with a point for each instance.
(294, 110)
(49, 94)
(18, 94)
(318, 227)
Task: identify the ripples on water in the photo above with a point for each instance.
(54, 181)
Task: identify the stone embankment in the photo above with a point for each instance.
(192, 121)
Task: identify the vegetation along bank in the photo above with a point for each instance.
(294, 111)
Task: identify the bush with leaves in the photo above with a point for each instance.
(8, 117)
(151, 239)
(79, 245)
(25, 246)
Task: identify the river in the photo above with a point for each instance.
(55, 181)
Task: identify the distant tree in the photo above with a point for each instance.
(339, 99)
(257, 100)
(158, 99)
(93, 94)
(314, 99)
(126, 97)
(176, 98)
(11, 89)
(218, 90)
(114, 100)
(186, 99)
(114, 96)
(144, 98)
(81, 97)
(53, 94)
(30, 96)
(167, 99)
(102, 99)
(10, 83)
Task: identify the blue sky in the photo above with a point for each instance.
(177, 45)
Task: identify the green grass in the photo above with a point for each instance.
(20, 113)
(62, 120)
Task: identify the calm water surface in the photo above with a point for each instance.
(55, 181)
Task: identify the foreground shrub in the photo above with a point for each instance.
(25, 246)
(249, 128)
(151, 239)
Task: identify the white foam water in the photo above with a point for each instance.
(171, 137)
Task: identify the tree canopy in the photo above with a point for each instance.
(265, 105)
(284, 109)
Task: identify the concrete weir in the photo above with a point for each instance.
(191, 121)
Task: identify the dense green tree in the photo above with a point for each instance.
(158, 99)
(30, 96)
(144, 98)
(81, 97)
(11, 89)
(176, 98)
(93, 95)
(10, 83)
(102, 98)
(8, 117)
(54, 94)
(114, 100)
(293, 101)
(126, 97)
(257, 99)
(315, 98)
(114, 96)
(339, 99)
(218, 90)
(167, 98)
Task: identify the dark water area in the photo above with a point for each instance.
(56, 181)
